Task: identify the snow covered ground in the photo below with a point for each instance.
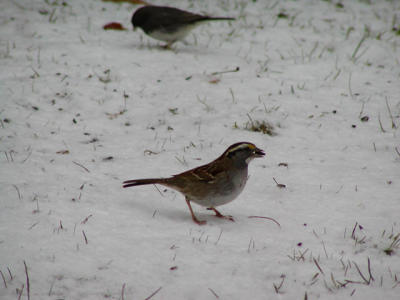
(83, 109)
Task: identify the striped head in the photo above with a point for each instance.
(243, 152)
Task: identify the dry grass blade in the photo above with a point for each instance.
(123, 292)
(17, 189)
(84, 235)
(318, 266)
(154, 293)
(83, 167)
(369, 270)
(86, 219)
(228, 71)
(367, 282)
(390, 114)
(353, 236)
(20, 291)
(268, 218)
(214, 293)
(397, 151)
(4, 279)
(278, 287)
(27, 282)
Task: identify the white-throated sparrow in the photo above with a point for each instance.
(168, 24)
(213, 184)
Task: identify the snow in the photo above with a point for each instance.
(83, 109)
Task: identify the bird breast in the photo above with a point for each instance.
(229, 188)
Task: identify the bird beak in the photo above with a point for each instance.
(259, 153)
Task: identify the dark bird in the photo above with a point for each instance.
(168, 24)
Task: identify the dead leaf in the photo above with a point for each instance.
(114, 26)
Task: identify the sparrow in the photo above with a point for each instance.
(216, 183)
(168, 24)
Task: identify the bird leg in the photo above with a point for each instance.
(219, 215)
(197, 221)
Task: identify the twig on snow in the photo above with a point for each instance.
(213, 292)
(123, 292)
(268, 218)
(155, 292)
(83, 167)
(4, 279)
(27, 282)
(319, 268)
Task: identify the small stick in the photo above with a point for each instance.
(277, 288)
(364, 37)
(123, 292)
(362, 110)
(349, 83)
(51, 287)
(29, 154)
(219, 237)
(397, 150)
(390, 113)
(214, 293)
(229, 71)
(250, 243)
(84, 235)
(4, 279)
(380, 123)
(162, 195)
(301, 256)
(233, 96)
(155, 292)
(19, 194)
(27, 282)
(367, 282)
(268, 218)
(319, 268)
(279, 185)
(9, 272)
(353, 232)
(86, 219)
(20, 291)
(323, 245)
(83, 167)
(369, 271)
(251, 120)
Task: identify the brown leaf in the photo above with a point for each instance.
(114, 26)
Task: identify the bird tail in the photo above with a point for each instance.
(135, 182)
(218, 19)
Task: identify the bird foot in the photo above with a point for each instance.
(219, 215)
(198, 222)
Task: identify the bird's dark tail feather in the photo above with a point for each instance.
(135, 182)
(218, 19)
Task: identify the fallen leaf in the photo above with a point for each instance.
(114, 26)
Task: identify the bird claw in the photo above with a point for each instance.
(219, 215)
(198, 222)
(230, 218)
